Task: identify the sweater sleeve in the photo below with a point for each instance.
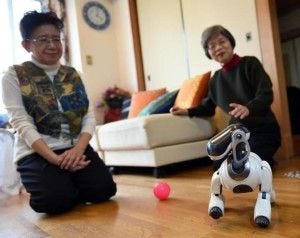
(205, 109)
(262, 86)
(89, 122)
(18, 117)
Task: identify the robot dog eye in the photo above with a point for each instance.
(238, 136)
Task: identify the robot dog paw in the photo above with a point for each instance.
(262, 221)
(215, 212)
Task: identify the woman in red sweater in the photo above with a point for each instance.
(241, 88)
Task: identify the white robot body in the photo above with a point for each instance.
(242, 171)
(252, 180)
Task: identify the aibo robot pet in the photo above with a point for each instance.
(241, 171)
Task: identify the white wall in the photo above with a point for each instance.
(111, 50)
(124, 44)
(239, 17)
(73, 32)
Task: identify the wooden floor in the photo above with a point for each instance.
(134, 212)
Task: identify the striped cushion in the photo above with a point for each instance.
(160, 105)
(141, 99)
(125, 108)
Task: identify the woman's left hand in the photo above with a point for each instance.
(239, 111)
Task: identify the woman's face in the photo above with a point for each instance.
(45, 44)
(220, 49)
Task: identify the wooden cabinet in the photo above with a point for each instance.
(170, 33)
(162, 42)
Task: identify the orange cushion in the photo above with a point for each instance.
(141, 99)
(192, 91)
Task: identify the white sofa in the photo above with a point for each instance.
(153, 141)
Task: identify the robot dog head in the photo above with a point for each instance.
(233, 139)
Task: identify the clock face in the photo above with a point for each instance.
(96, 15)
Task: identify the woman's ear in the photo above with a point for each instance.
(26, 45)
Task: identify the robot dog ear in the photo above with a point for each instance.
(220, 144)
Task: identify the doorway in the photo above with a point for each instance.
(288, 14)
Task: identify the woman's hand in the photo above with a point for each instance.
(81, 164)
(73, 158)
(239, 111)
(178, 111)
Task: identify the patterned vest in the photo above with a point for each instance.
(40, 97)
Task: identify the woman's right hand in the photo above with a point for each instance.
(179, 111)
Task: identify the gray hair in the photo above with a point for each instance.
(209, 32)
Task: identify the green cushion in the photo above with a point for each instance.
(160, 105)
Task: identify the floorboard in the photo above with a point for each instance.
(135, 212)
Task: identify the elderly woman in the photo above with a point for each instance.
(240, 88)
(49, 109)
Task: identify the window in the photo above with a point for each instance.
(11, 12)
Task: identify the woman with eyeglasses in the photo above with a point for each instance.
(50, 112)
(240, 88)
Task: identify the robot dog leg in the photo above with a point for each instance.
(216, 202)
(266, 196)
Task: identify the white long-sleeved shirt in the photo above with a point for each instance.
(22, 122)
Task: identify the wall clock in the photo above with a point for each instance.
(96, 15)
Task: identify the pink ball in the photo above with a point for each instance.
(161, 190)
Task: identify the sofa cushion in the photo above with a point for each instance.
(192, 91)
(160, 105)
(140, 99)
(153, 131)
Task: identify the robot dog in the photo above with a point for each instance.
(241, 171)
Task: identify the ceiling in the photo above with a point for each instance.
(285, 6)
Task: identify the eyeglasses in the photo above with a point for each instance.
(214, 45)
(42, 41)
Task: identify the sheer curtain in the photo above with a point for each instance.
(12, 52)
(11, 11)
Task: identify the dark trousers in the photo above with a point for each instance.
(264, 141)
(54, 190)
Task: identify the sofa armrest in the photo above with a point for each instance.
(94, 142)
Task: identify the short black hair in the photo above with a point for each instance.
(209, 32)
(33, 19)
